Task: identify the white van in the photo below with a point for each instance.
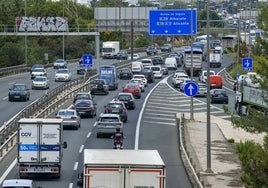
(157, 70)
(171, 63)
(17, 183)
(203, 76)
(136, 67)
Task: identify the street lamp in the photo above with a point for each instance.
(26, 32)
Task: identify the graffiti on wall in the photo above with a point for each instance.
(42, 24)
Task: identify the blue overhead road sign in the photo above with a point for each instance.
(190, 89)
(247, 64)
(173, 22)
(87, 60)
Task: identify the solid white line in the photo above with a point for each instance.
(158, 114)
(75, 166)
(160, 118)
(95, 124)
(89, 134)
(81, 148)
(160, 123)
(3, 177)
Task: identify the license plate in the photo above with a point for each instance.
(220, 95)
(16, 97)
(115, 111)
(95, 86)
(125, 74)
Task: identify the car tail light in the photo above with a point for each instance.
(124, 110)
(73, 107)
(90, 107)
(226, 95)
(214, 95)
(106, 110)
(55, 169)
(23, 169)
(58, 117)
(73, 117)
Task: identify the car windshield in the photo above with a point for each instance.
(115, 106)
(131, 86)
(59, 61)
(63, 71)
(82, 103)
(155, 68)
(66, 113)
(40, 79)
(97, 82)
(222, 92)
(38, 70)
(82, 96)
(19, 88)
(109, 119)
(125, 71)
(124, 97)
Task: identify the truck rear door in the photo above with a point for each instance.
(28, 143)
(50, 143)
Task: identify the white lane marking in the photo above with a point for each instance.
(148, 112)
(89, 134)
(4, 98)
(160, 123)
(3, 177)
(81, 148)
(95, 124)
(75, 166)
(161, 118)
(70, 185)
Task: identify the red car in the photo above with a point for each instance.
(133, 88)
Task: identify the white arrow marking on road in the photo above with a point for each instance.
(191, 89)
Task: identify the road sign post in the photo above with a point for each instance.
(173, 22)
(247, 64)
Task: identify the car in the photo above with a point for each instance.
(178, 59)
(151, 50)
(38, 72)
(171, 63)
(107, 124)
(19, 92)
(133, 88)
(60, 64)
(70, 118)
(218, 96)
(83, 95)
(135, 56)
(148, 73)
(141, 76)
(82, 69)
(139, 82)
(125, 73)
(164, 69)
(99, 86)
(177, 79)
(85, 107)
(36, 66)
(63, 75)
(157, 60)
(40, 82)
(157, 70)
(166, 48)
(203, 76)
(180, 71)
(202, 90)
(122, 54)
(183, 83)
(19, 183)
(147, 62)
(116, 107)
(128, 99)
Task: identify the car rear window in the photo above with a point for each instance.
(109, 119)
(62, 113)
(124, 97)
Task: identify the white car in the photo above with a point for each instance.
(141, 76)
(38, 72)
(138, 81)
(135, 57)
(19, 183)
(63, 75)
(157, 70)
(40, 82)
(60, 63)
(178, 78)
(203, 76)
(184, 82)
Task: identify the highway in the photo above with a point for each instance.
(150, 126)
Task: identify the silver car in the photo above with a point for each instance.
(60, 63)
(40, 82)
(63, 75)
(69, 117)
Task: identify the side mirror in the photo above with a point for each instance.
(64, 145)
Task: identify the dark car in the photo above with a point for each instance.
(126, 73)
(164, 69)
(99, 86)
(128, 99)
(81, 95)
(148, 73)
(122, 54)
(166, 48)
(85, 107)
(82, 69)
(116, 107)
(158, 60)
(151, 50)
(218, 96)
(19, 92)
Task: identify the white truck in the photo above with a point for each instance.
(215, 56)
(122, 169)
(110, 49)
(40, 147)
(248, 94)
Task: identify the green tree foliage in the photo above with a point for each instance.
(215, 19)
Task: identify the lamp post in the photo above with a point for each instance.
(26, 32)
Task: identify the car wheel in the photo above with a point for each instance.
(9, 99)
(139, 96)
(25, 99)
(76, 127)
(98, 135)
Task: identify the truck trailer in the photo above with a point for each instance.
(110, 49)
(215, 57)
(122, 169)
(249, 95)
(193, 56)
(40, 147)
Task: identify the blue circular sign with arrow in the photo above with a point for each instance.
(191, 89)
